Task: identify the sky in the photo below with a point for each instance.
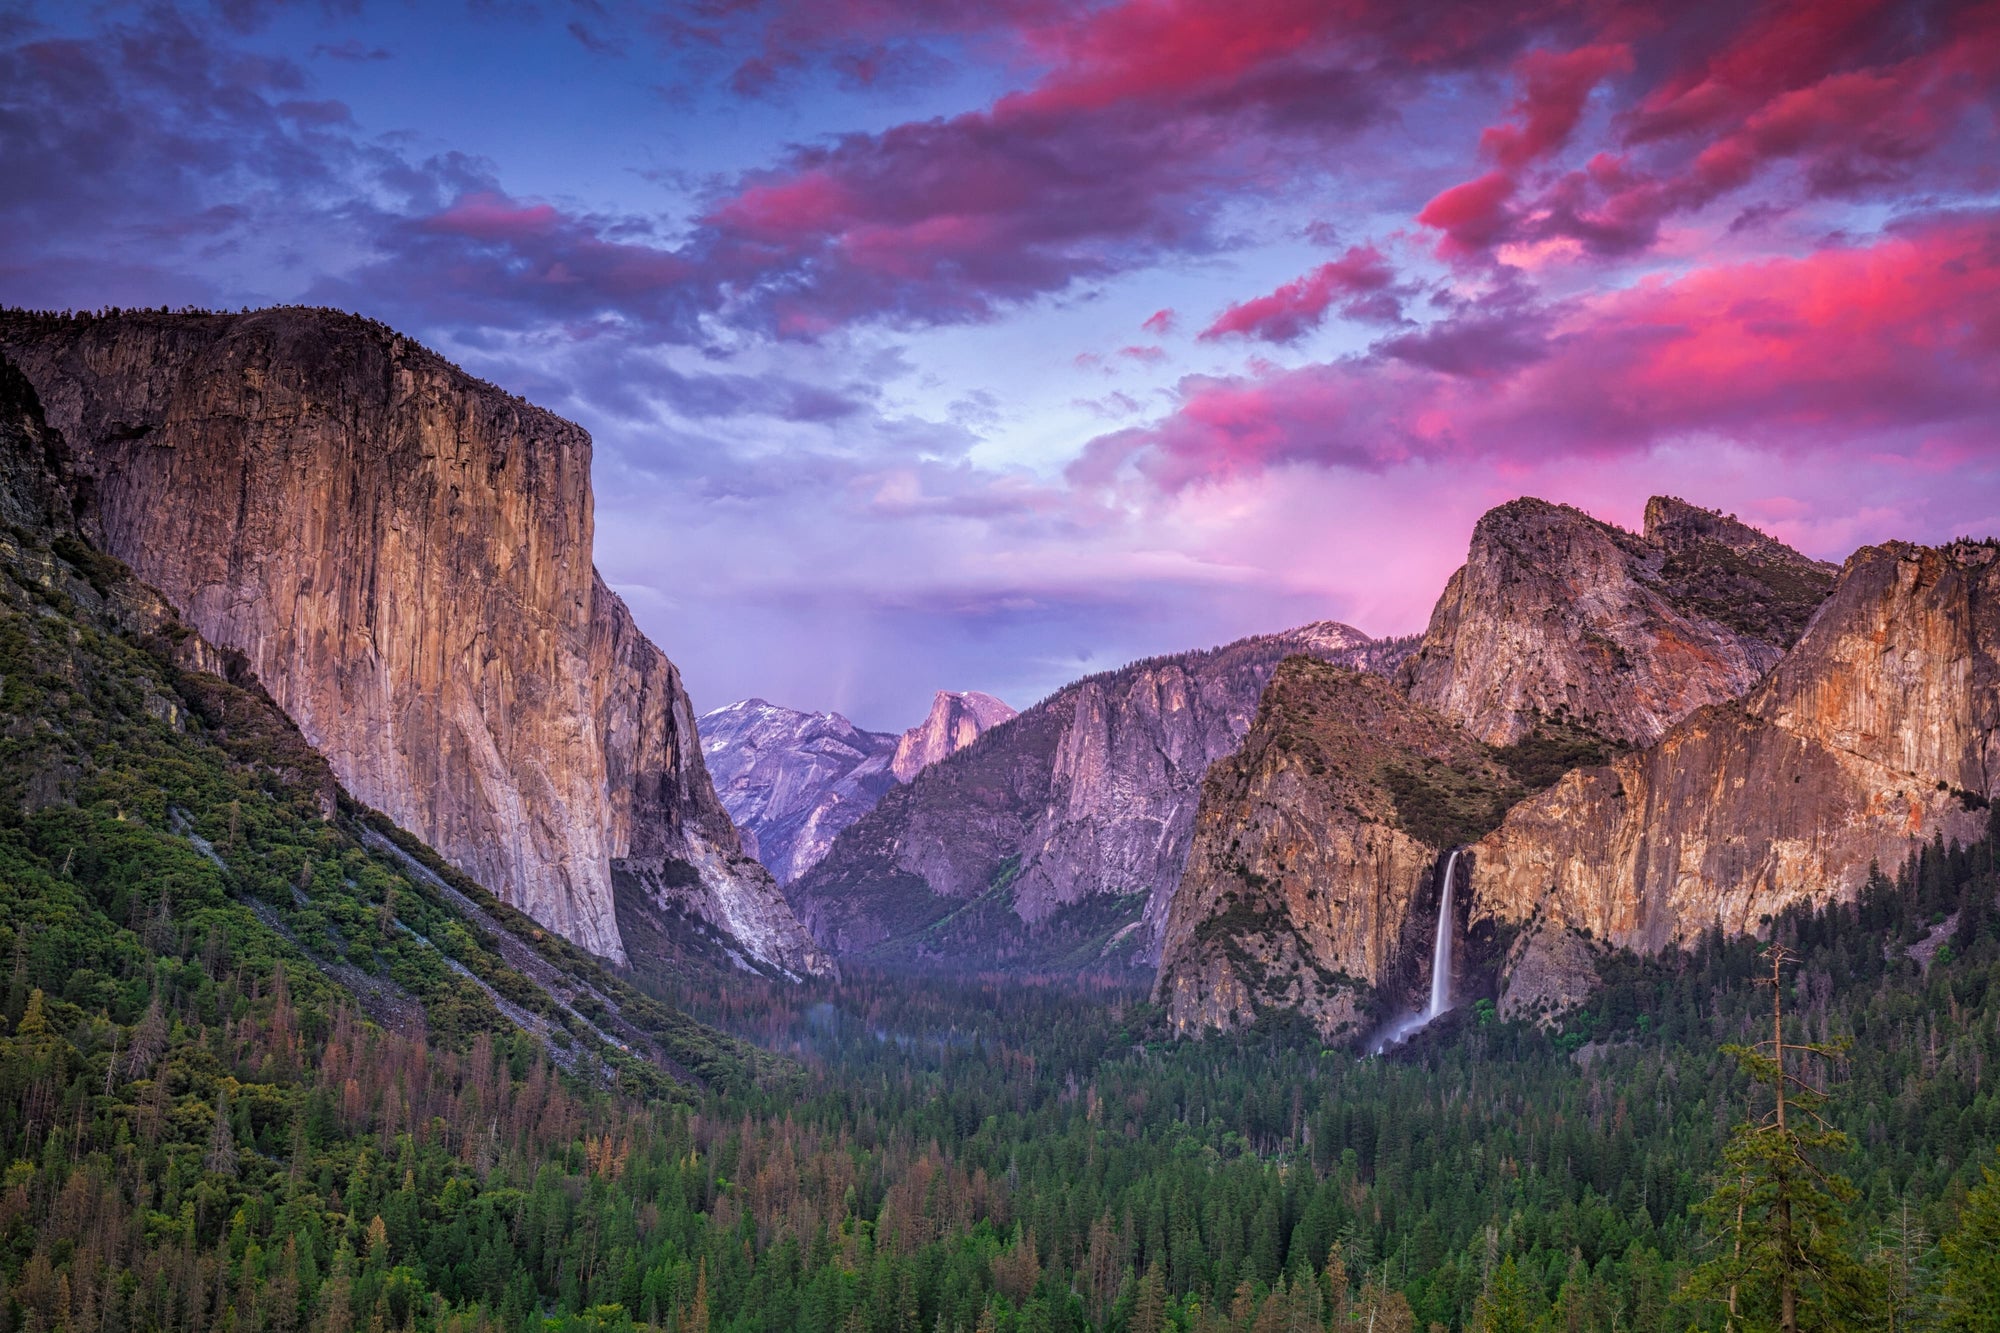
(981, 344)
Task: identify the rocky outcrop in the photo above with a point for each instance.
(1878, 729)
(1557, 616)
(402, 554)
(1056, 839)
(792, 781)
(956, 720)
(1313, 872)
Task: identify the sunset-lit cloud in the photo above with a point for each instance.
(976, 345)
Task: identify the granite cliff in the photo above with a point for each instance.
(792, 781)
(1056, 839)
(957, 719)
(1880, 728)
(1556, 615)
(401, 553)
(1562, 643)
(1312, 880)
(149, 787)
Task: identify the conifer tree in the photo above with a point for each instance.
(1336, 1286)
(1778, 1214)
(697, 1317)
(1971, 1295)
(1381, 1309)
(1149, 1313)
(1508, 1305)
(1902, 1261)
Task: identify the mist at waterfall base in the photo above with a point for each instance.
(1408, 1025)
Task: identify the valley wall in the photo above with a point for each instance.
(403, 555)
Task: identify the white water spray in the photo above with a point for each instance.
(1409, 1024)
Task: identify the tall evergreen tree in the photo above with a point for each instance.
(1508, 1305)
(1778, 1214)
(1971, 1296)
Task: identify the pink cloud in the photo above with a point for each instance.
(1148, 117)
(1554, 87)
(1860, 102)
(1160, 322)
(489, 259)
(1777, 48)
(1891, 348)
(1361, 277)
(490, 216)
(1472, 216)
(779, 209)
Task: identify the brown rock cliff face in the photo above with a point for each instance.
(956, 720)
(1560, 640)
(1876, 730)
(1557, 614)
(1057, 838)
(1313, 871)
(402, 553)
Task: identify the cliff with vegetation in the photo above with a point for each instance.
(1313, 872)
(401, 554)
(1877, 733)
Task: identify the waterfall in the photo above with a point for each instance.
(1441, 951)
(1403, 1028)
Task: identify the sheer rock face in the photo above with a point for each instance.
(1880, 728)
(1311, 886)
(956, 720)
(402, 553)
(1055, 840)
(792, 781)
(1309, 881)
(1555, 613)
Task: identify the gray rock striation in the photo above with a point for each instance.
(791, 780)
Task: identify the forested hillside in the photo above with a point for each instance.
(235, 997)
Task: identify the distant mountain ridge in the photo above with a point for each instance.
(1056, 839)
(793, 780)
